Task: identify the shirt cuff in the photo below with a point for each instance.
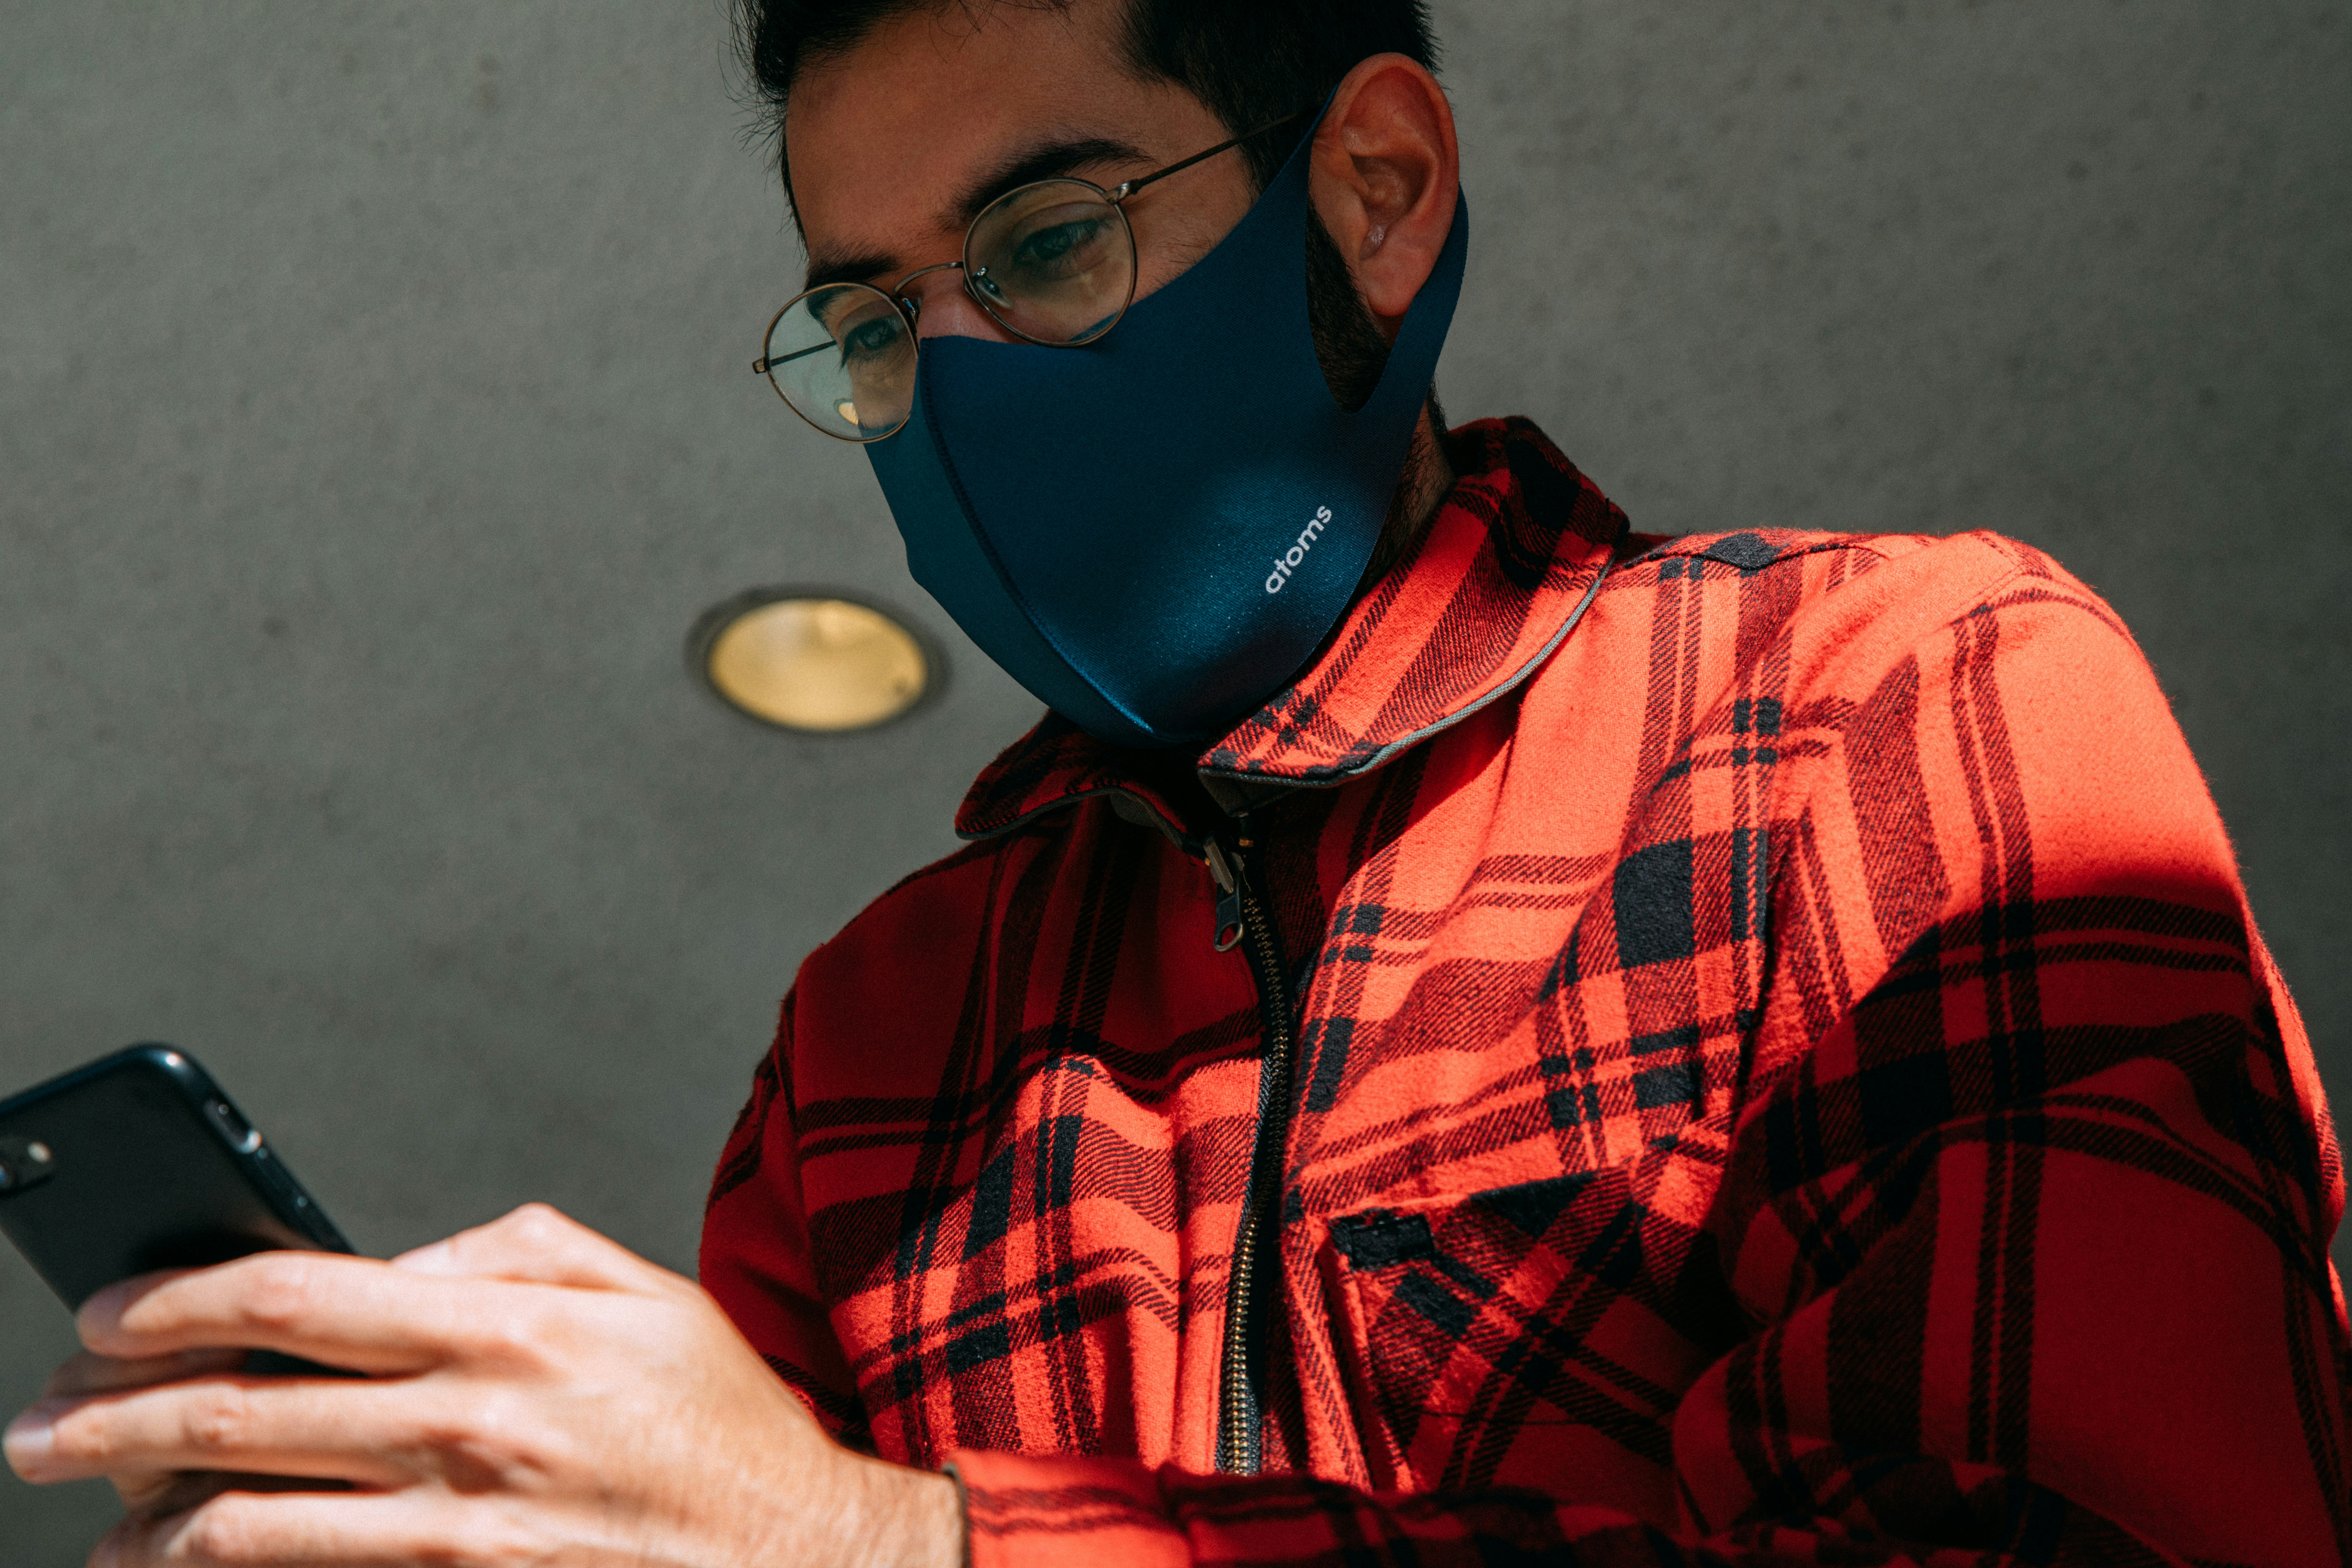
(1063, 1512)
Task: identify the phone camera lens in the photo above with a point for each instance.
(24, 1161)
(234, 1128)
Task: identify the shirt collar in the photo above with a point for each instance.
(1490, 589)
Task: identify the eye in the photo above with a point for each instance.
(1055, 251)
(872, 338)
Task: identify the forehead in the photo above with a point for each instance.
(884, 139)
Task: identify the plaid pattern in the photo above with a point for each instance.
(1786, 1073)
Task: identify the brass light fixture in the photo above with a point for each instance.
(811, 659)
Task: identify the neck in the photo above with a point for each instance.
(1421, 486)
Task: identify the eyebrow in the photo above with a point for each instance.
(1048, 160)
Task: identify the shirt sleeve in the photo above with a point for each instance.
(756, 1258)
(2026, 1200)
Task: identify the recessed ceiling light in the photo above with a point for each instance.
(811, 659)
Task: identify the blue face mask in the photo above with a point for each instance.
(1154, 533)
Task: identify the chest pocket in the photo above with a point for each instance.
(1521, 1336)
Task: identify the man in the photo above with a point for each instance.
(1561, 1045)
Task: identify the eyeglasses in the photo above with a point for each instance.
(1051, 262)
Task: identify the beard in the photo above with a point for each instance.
(1347, 339)
(1353, 353)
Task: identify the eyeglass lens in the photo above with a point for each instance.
(843, 357)
(1053, 262)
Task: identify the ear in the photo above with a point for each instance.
(1384, 176)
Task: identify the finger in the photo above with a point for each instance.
(171, 1492)
(85, 1374)
(175, 1492)
(88, 1374)
(370, 1434)
(309, 1530)
(540, 1245)
(349, 1312)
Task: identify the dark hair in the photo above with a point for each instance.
(1251, 61)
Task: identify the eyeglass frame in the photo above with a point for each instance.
(911, 308)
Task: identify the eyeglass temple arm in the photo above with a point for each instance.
(762, 365)
(1120, 193)
(913, 309)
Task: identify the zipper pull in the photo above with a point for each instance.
(1228, 931)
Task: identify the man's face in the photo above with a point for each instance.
(896, 146)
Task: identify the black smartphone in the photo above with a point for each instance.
(139, 1161)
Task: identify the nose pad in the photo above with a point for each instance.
(947, 308)
(982, 288)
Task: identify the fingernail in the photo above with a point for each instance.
(102, 1311)
(31, 1438)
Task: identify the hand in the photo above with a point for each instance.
(535, 1394)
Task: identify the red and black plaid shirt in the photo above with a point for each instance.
(1778, 1066)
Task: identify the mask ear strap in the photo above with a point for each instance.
(1413, 359)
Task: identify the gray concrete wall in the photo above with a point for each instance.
(374, 418)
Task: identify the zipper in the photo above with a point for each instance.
(1242, 919)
